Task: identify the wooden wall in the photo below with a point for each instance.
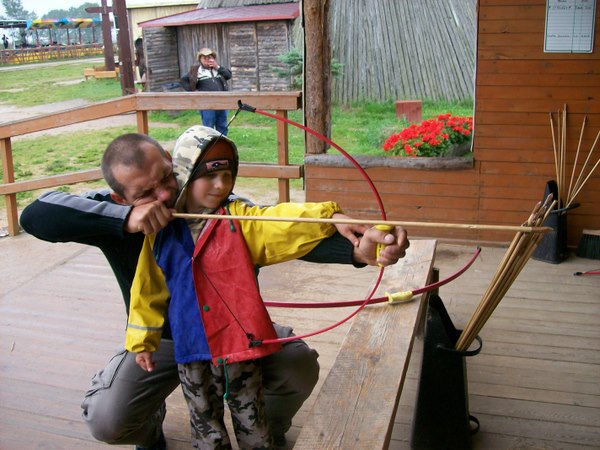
(161, 56)
(517, 86)
(393, 49)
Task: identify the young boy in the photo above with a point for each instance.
(216, 314)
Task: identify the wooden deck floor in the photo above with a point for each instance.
(536, 383)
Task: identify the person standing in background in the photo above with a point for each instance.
(208, 75)
(140, 60)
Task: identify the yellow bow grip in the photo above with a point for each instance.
(382, 246)
(399, 297)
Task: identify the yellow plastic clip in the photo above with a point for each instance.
(382, 246)
(399, 297)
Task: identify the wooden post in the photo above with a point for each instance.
(142, 122)
(125, 60)
(109, 56)
(283, 155)
(9, 177)
(317, 72)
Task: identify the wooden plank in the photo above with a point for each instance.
(153, 101)
(99, 110)
(356, 406)
(156, 101)
(245, 170)
(270, 171)
(101, 74)
(51, 181)
(8, 176)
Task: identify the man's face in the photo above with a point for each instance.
(153, 181)
(207, 61)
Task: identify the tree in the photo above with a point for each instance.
(78, 12)
(14, 10)
(294, 68)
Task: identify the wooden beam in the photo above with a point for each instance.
(270, 171)
(52, 181)
(142, 122)
(124, 40)
(8, 176)
(109, 56)
(283, 155)
(100, 110)
(249, 170)
(317, 73)
(153, 101)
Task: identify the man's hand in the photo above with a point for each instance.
(144, 360)
(148, 218)
(396, 243)
(349, 231)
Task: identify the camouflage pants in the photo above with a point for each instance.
(204, 385)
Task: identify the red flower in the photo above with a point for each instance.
(431, 137)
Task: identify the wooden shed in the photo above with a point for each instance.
(520, 80)
(247, 39)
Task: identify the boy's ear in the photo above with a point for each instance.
(118, 199)
(169, 156)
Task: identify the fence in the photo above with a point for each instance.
(50, 53)
(141, 104)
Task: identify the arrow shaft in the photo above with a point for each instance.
(465, 226)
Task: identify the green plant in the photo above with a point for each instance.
(294, 61)
(432, 137)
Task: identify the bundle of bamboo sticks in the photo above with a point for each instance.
(515, 258)
(566, 194)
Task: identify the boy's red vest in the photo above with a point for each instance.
(233, 313)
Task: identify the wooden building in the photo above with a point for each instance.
(144, 10)
(248, 39)
(517, 86)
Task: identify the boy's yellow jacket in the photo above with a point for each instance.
(266, 242)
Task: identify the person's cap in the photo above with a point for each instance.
(196, 153)
(206, 52)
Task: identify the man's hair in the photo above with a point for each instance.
(126, 150)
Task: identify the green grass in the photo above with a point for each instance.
(42, 85)
(358, 128)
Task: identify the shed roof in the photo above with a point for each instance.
(276, 11)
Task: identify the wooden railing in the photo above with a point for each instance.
(141, 103)
(49, 53)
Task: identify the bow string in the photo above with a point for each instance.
(365, 302)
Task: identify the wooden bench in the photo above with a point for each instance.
(357, 404)
(99, 72)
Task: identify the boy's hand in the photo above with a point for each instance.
(144, 360)
(396, 243)
(148, 218)
(349, 231)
